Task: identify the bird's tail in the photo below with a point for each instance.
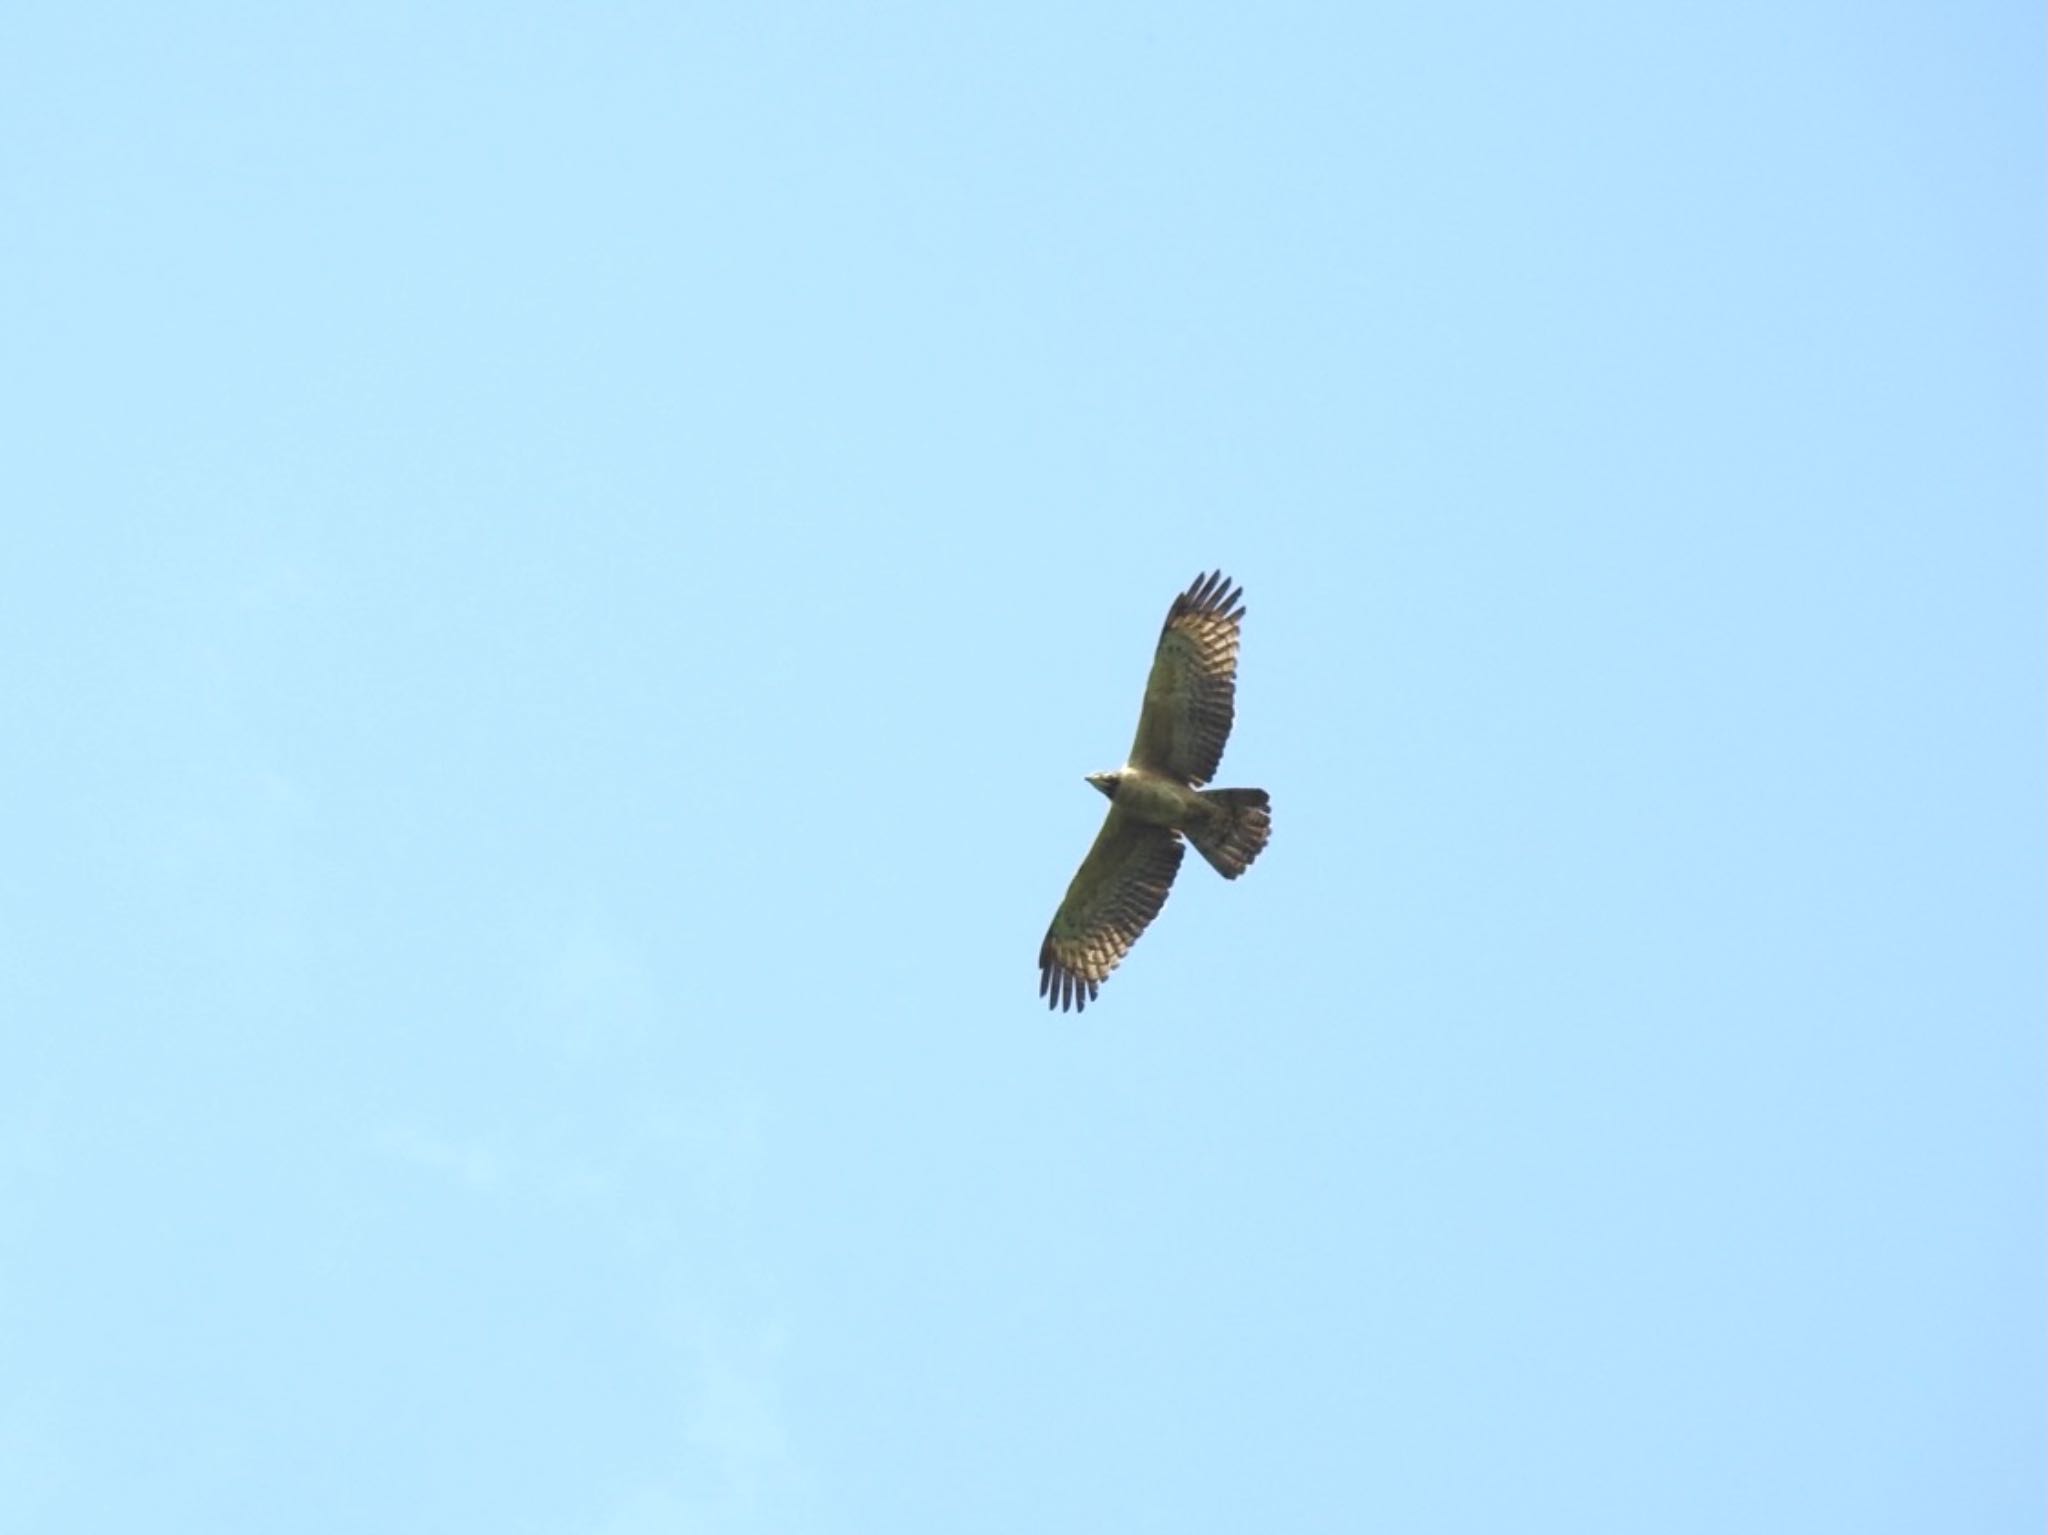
(1237, 833)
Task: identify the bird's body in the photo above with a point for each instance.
(1157, 797)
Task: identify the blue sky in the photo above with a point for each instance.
(566, 565)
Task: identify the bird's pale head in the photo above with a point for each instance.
(1106, 782)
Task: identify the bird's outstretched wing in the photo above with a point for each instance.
(1191, 696)
(1118, 889)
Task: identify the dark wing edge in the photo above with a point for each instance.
(1115, 894)
(1191, 692)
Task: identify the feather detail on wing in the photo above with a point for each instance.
(1191, 696)
(1117, 891)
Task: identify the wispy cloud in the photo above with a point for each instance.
(469, 1163)
(735, 1420)
(730, 1468)
(594, 989)
(672, 1180)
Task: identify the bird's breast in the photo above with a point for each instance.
(1150, 798)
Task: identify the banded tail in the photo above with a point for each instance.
(1237, 833)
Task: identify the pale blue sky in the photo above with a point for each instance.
(565, 566)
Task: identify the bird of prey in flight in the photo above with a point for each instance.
(1157, 798)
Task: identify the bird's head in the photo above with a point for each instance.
(1106, 782)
